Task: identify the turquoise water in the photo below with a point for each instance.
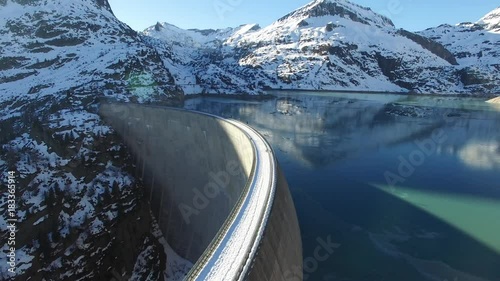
(408, 187)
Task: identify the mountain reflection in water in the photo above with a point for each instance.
(409, 186)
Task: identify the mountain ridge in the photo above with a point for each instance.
(491, 20)
(315, 46)
(341, 8)
(476, 48)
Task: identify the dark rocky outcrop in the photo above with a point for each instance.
(158, 26)
(388, 66)
(430, 45)
(470, 76)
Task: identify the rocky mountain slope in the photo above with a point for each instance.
(477, 49)
(327, 44)
(79, 210)
(200, 60)
(52, 46)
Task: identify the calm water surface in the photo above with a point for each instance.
(408, 187)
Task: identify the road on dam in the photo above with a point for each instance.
(216, 189)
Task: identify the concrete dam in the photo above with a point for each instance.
(216, 190)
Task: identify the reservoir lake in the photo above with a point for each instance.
(401, 188)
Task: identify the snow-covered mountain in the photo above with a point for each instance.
(476, 47)
(79, 210)
(52, 46)
(327, 44)
(491, 21)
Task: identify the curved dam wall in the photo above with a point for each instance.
(216, 190)
(280, 253)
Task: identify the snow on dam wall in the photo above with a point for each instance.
(216, 190)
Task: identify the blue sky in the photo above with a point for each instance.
(412, 15)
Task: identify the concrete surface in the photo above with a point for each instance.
(216, 190)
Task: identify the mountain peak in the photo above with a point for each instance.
(104, 4)
(342, 8)
(491, 20)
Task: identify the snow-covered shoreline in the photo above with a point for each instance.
(494, 100)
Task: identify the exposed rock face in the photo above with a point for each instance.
(434, 47)
(81, 213)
